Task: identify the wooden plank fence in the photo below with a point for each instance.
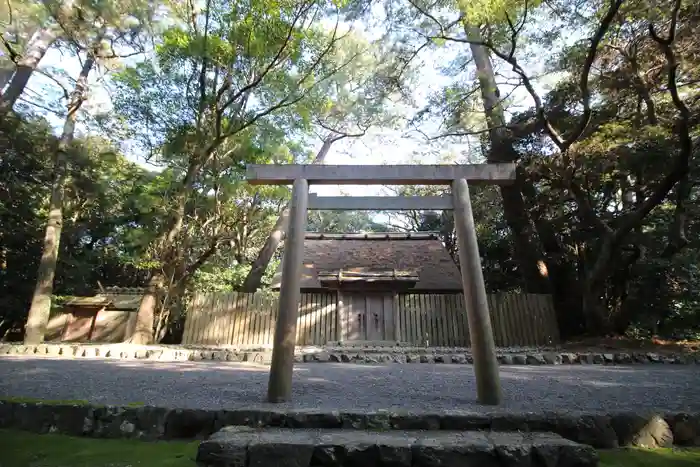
(436, 320)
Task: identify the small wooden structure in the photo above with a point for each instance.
(367, 273)
(104, 317)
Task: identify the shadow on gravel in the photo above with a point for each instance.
(593, 376)
(347, 386)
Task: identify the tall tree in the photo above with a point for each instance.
(224, 72)
(504, 33)
(49, 26)
(95, 35)
(41, 301)
(471, 18)
(350, 104)
(104, 215)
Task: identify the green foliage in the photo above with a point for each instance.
(230, 84)
(100, 230)
(583, 204)
(217, 278)
(343, 222)
(493, 11)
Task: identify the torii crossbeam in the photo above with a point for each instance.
(458, 176)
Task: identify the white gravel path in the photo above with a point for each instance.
(421, 387)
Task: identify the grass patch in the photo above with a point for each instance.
(21, 449)
(675, 457)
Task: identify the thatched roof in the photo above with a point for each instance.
(124, 298)
(113, 298)
(418, 258)
(88, 302)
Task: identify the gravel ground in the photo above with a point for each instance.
(215, 385)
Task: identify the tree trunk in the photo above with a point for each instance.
(142, 332)
(565, 285)
(38, 45)
(41, 300)
(254, 278)
(542, 273)
(527, 253)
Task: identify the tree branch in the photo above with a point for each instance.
(286, 101)
(527, 82)
(275, 60)
(340, 134)
(586, 208)
(428, 15)
(464, 133)
(14, 55)
(583, 81)
(680, 173)
(66, 91)
(515, 31)
(203, 69)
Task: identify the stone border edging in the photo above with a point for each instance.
(337, 355)
(601, 431)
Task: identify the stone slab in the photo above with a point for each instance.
(598, 430)
(273, 447)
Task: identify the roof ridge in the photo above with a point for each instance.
(372, 236)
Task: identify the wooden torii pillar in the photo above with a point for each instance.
(458, 176)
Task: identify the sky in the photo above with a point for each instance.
(379, 146)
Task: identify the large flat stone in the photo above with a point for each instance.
(271, 447)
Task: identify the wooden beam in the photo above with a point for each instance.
(499, 174)
(373, 236)
(379, 203)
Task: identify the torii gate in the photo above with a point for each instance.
(279, 387)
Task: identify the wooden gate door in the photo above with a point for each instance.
(368, 316)
(354, 316)
(375, 327)
(80, 326)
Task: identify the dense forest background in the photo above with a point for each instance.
(125, 128)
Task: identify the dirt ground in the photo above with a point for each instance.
(622, 344)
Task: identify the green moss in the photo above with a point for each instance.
(675, 457)
(30, 400)
(135, 404)
(20, 449)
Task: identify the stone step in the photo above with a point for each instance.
(237, 446)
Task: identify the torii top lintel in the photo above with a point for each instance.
(482, 174)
